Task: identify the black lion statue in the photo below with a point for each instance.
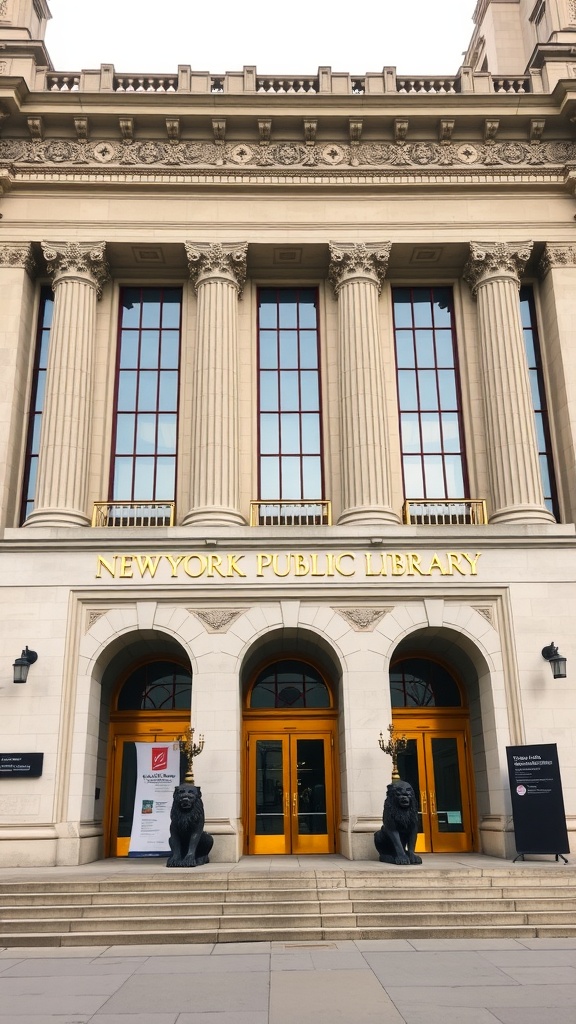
(396, 839)
(189, 843)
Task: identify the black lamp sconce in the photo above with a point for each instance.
(557, 661)
(22, 664)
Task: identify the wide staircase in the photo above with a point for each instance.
(297, 906)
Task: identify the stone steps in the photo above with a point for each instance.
(296, 907)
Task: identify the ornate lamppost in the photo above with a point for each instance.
(396, 745)
(190, 750)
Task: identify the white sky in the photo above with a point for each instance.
(294, 37)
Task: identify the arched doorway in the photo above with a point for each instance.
(151, 703)
(290, 778)
(429, 708)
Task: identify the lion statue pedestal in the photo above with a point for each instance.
(189, 843)
(396, 840)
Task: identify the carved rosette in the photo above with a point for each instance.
(18, 256)
(218, 259)
(496, 259)
(557, 256)
(357, 260)
(77, 259)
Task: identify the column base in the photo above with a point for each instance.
(522, 514)
(213, 517)
(57, 517)
(369, 515)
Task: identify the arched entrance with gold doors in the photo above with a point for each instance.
(150, 703)
(290, 769)
(429, 708)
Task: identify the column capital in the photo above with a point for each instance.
(86, 260)
(13, 255)
(560, 255)
(217, 259)
(490, 260)
(349, 260)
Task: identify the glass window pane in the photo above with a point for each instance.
(413, 479)
(288, 308)
(422, 307)
(431, 439)
(268, 350)
(149, 349)
(444, 348)
(540, 435)
(525, 312)
(308, 350)
(127, 390)
(171, 307)
(434, 477)
(529, 344)
(289, 390)
(447, 783)
(269, 478)
(447, 385)
(311, 477)
(165, 479)
(425, 348)
(125, 434)
(427, 387)
(267, 310)
(129, 350)
(307, 310)
(166, 434)
(148, 390)
(450, 432)
(170, 356)
(268, 390)
(145, 434)
(151, 308)
(407, 389)
(443, 305)
(410, 432)
(168, 398)
(310, 433)
(269, 434)
(40, 390)
(405, 357)
(269, 796)
(454, 476)
(36, 429)
(131, 307)
(291, 486)
(288, 350)
(123, 479)
(290, 433)
(309, 387)
(402, 308)
(144, 479)
(535, 389)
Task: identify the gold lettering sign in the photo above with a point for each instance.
(292, 565)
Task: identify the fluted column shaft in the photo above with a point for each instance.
(494, 274)
(79, 272)
(357, 272)
(219, 273)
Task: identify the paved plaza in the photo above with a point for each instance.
(480, 981)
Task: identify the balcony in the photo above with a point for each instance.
(127, 514)
(457, 512)
(290, 513)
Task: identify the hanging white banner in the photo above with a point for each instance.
(158, 772)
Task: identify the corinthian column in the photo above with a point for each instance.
(493, 272)
(357, 271)
(218, 273)
(79, 271)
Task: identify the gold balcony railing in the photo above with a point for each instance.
(133, 513)
(290, 513)
(456, 512)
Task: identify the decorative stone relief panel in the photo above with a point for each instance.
(363, 619)
(217, 620)
(557, 256)
(488, 614)
(17, 256)
(93, 617)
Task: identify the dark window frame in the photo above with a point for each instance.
(35, 413)
(546, 453)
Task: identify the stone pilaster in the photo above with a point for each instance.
(79, 271)
(356, 272)
(218, 272)
(493, 273)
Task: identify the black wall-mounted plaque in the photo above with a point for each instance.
(19, 766)
(537, 801)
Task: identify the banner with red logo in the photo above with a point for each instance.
(158, 772)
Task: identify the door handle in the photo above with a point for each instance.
(287, 804)
(423, 801)
(432, 802)
(294, 808)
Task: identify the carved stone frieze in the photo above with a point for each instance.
(264, 153)
(557, 256)
(93, 617)
(3, 8)
(358, 259)
(217, 620)
(487, 613)
(65, 259)
(572, 9)
(17, 256)
(489, 259)
(363, 619)
(206, 259)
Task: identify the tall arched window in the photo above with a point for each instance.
(422, 683)
(156, 686)
(289, 685)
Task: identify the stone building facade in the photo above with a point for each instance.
(288, 435)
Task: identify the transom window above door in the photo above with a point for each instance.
(289, 685)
